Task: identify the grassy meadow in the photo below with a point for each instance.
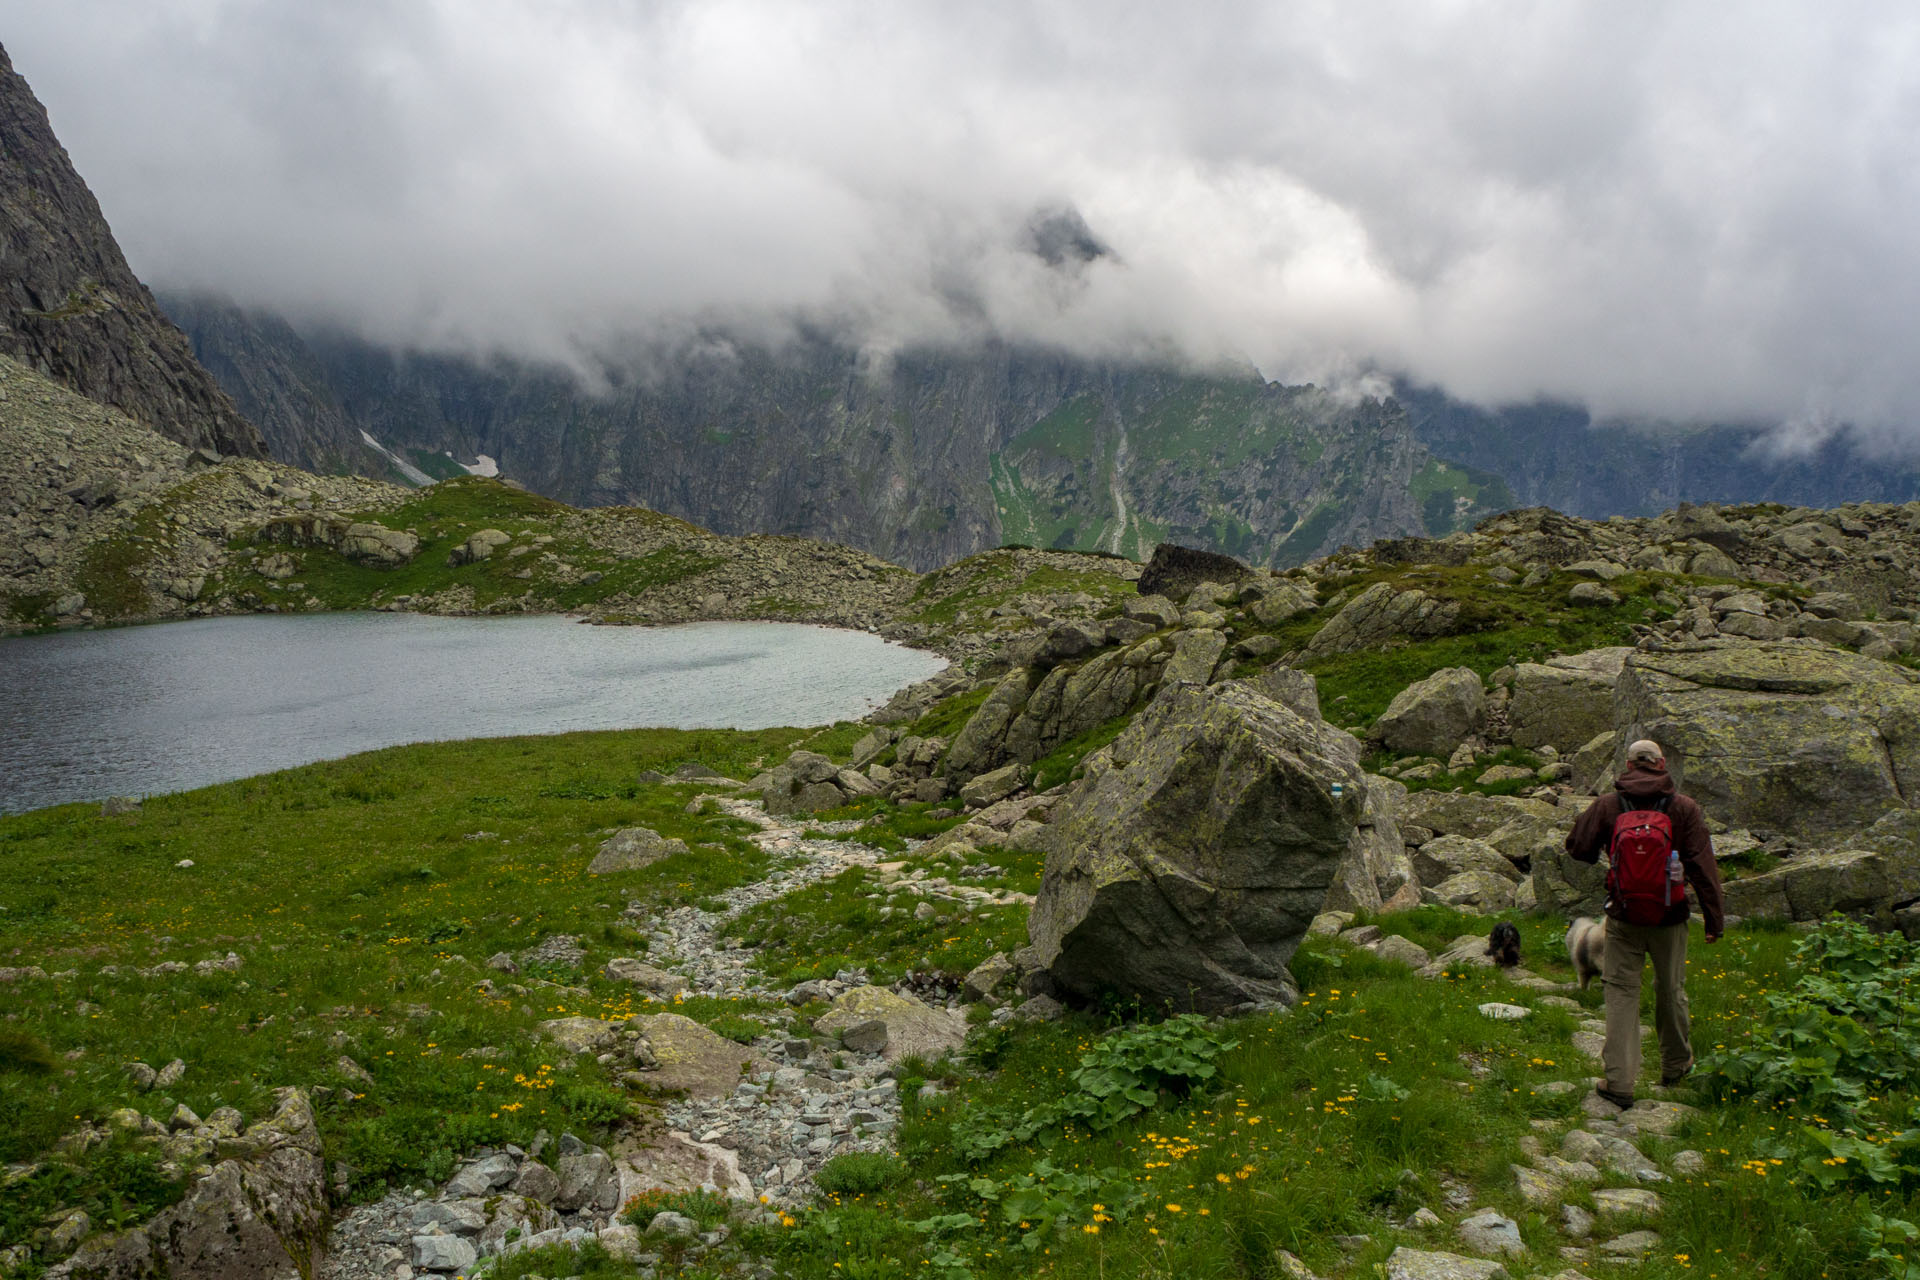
(364, 895)
(362, 898)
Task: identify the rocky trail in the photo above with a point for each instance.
(1565, 1162)
(751, 1122)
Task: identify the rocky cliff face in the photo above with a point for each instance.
(1556, 455)
(939, 454)
(267, 368)
(71, 308)
(935, 455)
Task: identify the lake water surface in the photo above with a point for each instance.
(144, 710)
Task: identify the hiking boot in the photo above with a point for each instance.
(1670, 1078)
(1620, 1100)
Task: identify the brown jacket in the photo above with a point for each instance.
(1641, 785)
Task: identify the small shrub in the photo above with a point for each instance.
(1128, 1072)
(859, 1173)
(737, 1029)
(707, 1208)
(25, 1053)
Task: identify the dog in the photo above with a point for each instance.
(1503, 944)
(1586, 941)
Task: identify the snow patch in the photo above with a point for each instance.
(414, 475)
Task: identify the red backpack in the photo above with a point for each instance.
(1638, 855)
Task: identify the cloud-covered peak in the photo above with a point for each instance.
(1682, 209)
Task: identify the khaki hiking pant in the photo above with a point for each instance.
(1628, 948)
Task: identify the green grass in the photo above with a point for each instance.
(981, 582)
(437, 464)
(109, 570)
(364, 896)
(1497, 627)
(888, 826)
(1066, 433)
(856, 920)
(1337, 1119)
(1058, 765)
(443, 517)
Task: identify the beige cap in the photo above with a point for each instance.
(1645, 751)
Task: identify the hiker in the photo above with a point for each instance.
(1653, 837)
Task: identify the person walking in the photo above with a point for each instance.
(1656, 843)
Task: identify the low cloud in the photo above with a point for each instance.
(1683, 210)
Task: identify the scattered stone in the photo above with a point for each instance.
(1504, 1012)
(632, 848)
(1592, 593)
(645, 976)
(579, 1034)
(1419, 1264)
(1491, 1232)
(912, 1028)
(1620, 1202)
(1634, 1244)
(675, 1226)
(1405, 950)
(443, 1253)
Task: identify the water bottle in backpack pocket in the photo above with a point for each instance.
(1641, 864)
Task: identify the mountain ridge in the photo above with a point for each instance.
(937, 454)
(72, 308)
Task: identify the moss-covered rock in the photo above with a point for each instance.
(1564, 702)
(1788, 735)
(1432, 716)
(1187, 866)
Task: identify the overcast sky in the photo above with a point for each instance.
(1673, 208)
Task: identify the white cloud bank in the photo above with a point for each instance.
(1678, 209)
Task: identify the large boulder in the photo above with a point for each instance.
(1028, 713)
(980, 744)
(913, 1027)
(675, 1161)
(1466, 813)
(1563, 886)
(1593, 763)
(631, 848)
(1292, 688)
(1381, 614)
(1443, 857)
(1195, 656)
(378, 545)
(1563, 702)
(692, 1059)
(480, 545)
(1879, 873)
(1432, 716)
(1187, 866)
(1376, 865)
(805, 783)
(1788, 735)
(1280, 600)
(1175, 571)
(262, 1211)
